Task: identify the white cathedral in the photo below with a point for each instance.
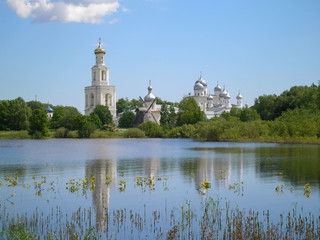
(216, 104)
(100, 92)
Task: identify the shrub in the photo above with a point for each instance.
(134, 133)
(63, 133)
(109, 127)
(151, 129)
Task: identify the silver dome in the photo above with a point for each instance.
(239, 96)
(202, 81)
(218, 88)
(198, 86)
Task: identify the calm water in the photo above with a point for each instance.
(243, 174)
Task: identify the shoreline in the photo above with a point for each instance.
(23, 135)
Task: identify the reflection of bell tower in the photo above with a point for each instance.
(100, 93)
(151, 167)
(101, 195)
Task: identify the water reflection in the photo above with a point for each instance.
(101, 195)
(215, 165)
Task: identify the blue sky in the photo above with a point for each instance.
(257, 47)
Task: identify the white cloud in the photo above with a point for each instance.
(87, 11)
(115, 20)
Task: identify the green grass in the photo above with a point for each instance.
(14, 135)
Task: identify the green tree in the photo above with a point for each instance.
(58, 114)
(103, 114)
(38, 124)
(94, 118)
(248, 115)
(189, 112)
(122, 105)
(265, 106)
(85, 127)
(164, 113)
(135, 103)
(33, 105)
(127, 119)
(4, 115)
(68, 119)
(19, 114)
(172, 118)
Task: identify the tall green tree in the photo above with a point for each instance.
(85, 127)
(19, 114)
(265, 106)
(103, 114)
(94, 118)
(4, 115)
(164, 113)
(39, 123)
(122, 105)
(127, 119)
(189, 112)
(33, 105)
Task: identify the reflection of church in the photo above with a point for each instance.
(100, 93)
(208, 168)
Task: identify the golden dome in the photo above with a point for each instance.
(99, 49)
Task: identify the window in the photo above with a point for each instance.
(91, 99)
(103, 75)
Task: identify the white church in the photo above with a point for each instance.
(216, 104)
(100, 92)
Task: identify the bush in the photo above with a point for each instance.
(63, 133)
(185, 131)
(151, 129)
(109, 127)
(134, 133)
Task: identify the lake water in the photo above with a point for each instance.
(48, 178)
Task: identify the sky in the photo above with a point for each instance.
(255, 47)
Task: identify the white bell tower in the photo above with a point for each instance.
(100, 93)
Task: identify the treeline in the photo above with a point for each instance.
(66, 121)
(292, 116)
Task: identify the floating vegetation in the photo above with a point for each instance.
(307, 190)
(222, 174)
(237, 188)
(122, 185)
(279, 188)
(206, 185)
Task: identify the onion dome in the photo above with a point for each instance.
(99, 49)
(239, 96)
(202, 81)
(150, 97)
(210, 97)
(227, 96)
(218, 88)
(198, 86)
(49, 109)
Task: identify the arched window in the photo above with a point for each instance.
(108, 100)
(86, 99)
(103, 77)
(94, 75)
(91, 99)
